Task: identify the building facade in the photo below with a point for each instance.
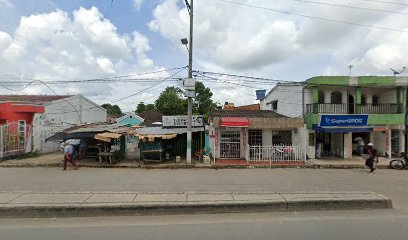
(340, 111)
(233, 133)
(285, 99)
(61, 114)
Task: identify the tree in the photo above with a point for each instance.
(171, 102)
(141, 107)
(112, 109)
(149, 106)
(203, 104)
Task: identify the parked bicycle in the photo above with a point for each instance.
(400, 163)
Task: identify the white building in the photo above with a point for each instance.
(285, 99)
(61, 114)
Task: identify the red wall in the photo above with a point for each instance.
(14, 112)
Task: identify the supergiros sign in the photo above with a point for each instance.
(343, 120)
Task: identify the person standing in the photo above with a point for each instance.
(373, 157)
(360, 145)
(69, 156)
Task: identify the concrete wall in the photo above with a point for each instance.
(62, 114)
(379, 142)
(289, 100)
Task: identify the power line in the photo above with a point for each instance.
(384, 2)
(174, 74)
(317, 18)
(105, 79)
(351, 7)
(244, 77)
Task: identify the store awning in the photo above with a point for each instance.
(340, 130)
(234, 122)
(107, 136)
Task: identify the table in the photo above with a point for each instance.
(157, 151)
(109, 156)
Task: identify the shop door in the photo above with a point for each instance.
(230, 144)
(395, 143)
(350, 104)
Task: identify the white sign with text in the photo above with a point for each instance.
(181, 121)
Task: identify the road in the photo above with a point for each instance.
(334, 225)
(363, 224)
(391, 183)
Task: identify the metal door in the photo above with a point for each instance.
(230, 144)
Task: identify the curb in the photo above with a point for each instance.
(180, 208)
(195, 166)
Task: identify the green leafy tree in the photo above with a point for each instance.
(149, 106)
(171, 102)
(203, 104)
(112, 109)
(141, 107)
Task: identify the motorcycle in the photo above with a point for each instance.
(400, 163)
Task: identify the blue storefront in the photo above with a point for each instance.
(335, 134)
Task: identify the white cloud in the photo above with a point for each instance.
(55, 46)
(137, 4)
(234, 37)
(6, 4)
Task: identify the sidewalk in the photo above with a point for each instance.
(77, 204)
(54, 160)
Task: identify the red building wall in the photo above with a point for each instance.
(14, 112)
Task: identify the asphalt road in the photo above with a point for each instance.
(377, 224)
(391, 183)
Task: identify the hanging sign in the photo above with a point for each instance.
(181, 121)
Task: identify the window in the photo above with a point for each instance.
(363, 100)
(274, 105)
(336, 98)
(376, 100)
(282, 137)
(320, 98)
(255, 137)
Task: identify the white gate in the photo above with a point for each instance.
(14, 139)
(276, 154)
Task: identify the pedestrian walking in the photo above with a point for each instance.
(69, 156)
(373, 157)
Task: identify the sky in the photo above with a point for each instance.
(128, 51)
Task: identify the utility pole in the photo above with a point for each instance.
(190, 76)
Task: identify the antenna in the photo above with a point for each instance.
(395, 72)
(350, 68)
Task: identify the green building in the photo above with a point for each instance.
(340, 112)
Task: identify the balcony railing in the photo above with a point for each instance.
(383, 108)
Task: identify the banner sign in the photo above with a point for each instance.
(343, 120)
(181, 121)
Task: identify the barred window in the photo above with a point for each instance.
(320, 99)
(255, 137)
(282, 137)
(376, 100)
(336, 98)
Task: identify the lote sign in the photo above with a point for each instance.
(181, 121)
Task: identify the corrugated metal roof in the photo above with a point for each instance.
(247, 113)
(32, 98)
(95, 127)
(164, 131)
